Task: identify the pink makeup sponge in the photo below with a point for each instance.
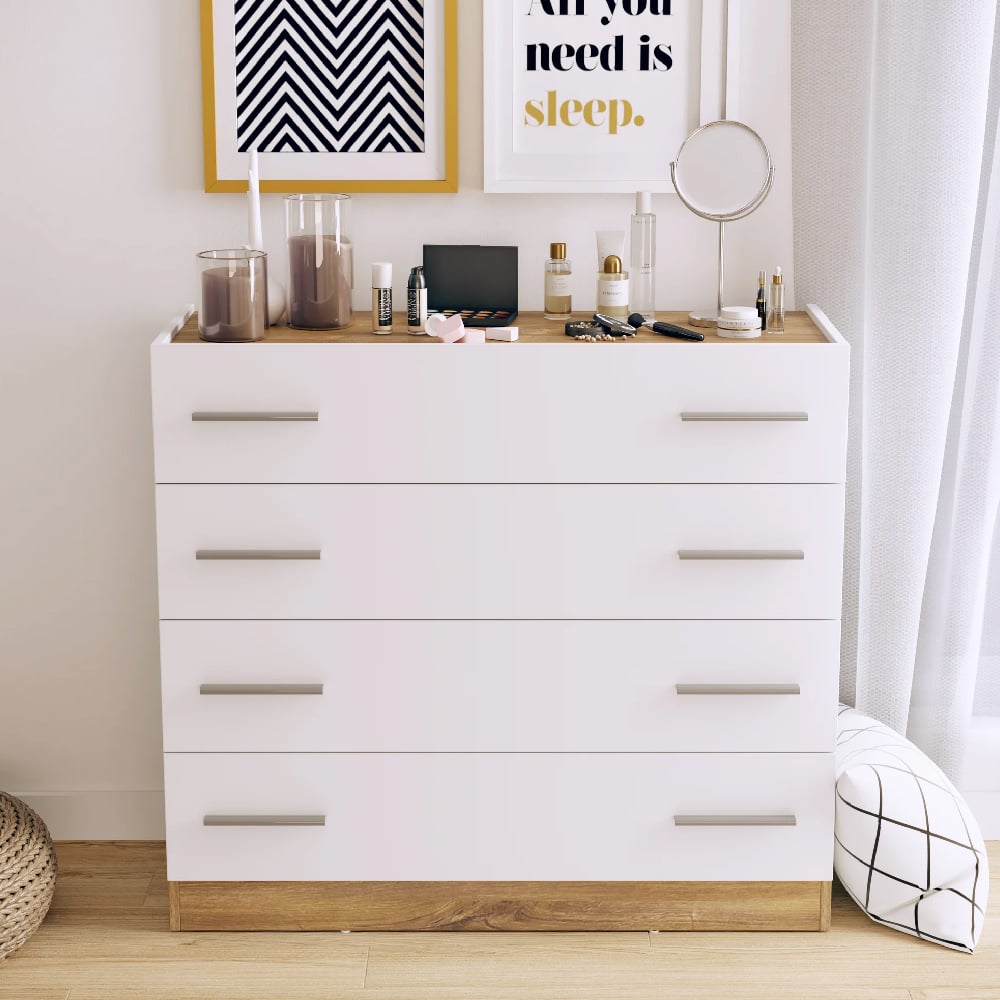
(447, 329)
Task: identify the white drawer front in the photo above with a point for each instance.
(515, 413)
(409, 686)
(499, 551)
(516, 817)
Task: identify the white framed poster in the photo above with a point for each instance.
(588, 96)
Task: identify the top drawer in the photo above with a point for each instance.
(504, 413)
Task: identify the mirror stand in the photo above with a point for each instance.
(722, 195)
(704, 318)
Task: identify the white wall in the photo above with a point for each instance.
(101, 212)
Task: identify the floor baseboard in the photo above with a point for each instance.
(985, 807)
(980, 784)
(119, 815)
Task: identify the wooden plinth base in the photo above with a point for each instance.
(505, 906)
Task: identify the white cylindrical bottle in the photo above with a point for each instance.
(382, 298)
(643, 278)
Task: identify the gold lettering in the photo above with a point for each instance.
(534, 114)
(588, 112)
(571, 107)
(553, 118)
(615, 114)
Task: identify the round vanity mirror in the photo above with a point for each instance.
(722, 172)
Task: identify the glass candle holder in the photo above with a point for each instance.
(233, 295)
(320, 260)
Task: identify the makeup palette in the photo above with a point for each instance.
(478, 283)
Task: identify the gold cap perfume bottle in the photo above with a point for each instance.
(612, 288)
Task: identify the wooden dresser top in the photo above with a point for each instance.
(533, 328)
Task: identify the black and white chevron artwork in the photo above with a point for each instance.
(330, 76)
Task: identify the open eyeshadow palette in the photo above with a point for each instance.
(478, 283)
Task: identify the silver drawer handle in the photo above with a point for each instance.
(267, 555)
(251, 418)
(741, 554)
(738, 689)
(264, 821)
(740, 417)
(736, 820)
(261, 689)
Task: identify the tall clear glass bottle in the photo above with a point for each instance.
(558, 283)
(643, 251)
(776, 304)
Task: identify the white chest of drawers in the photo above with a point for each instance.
(528, 635)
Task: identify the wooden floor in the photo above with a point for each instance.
(106, 937)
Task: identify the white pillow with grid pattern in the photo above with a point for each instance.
(907, 847)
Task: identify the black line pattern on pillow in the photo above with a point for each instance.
(891, 750)
(903, 881)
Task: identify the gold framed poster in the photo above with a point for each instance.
(335, 95)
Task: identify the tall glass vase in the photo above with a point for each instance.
(320, 260)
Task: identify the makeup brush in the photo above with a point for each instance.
(666, 329)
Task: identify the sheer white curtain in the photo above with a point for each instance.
(987, 701)
(897, 206)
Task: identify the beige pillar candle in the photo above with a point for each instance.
(319, 282)
(233, 298)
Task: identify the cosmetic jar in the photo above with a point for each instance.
(739, 322)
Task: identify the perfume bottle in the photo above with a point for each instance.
(558, 283)
(776, 304)
(612, 288)
(643, 249)
(762, 299)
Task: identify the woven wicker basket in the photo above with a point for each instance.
(27, 873)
